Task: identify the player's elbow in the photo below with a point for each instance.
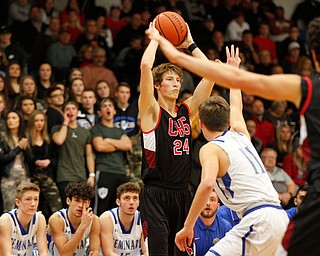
(145, 65)
(207, 184)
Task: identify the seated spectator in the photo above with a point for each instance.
(303, 66)
(73, 25)
(103, 30)
(281, 181)
(60, 55)
(209, 227)
(13, 75)
(48, 11)
(283, 143)
(3, 60)
(265, 43)
(96, 71)
(265, 63)
(279, 25)
(291, 58)
(295, 165)
(75, 90)
(264, 128)
(3, 113)
(113, 21)
(247, 100)
(72, 5)
(236, 27)
(75, 72)
(251, 127)
(277, 114)
(249, 49)
(18, 11)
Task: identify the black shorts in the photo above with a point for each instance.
(163, 212)
(303, 234)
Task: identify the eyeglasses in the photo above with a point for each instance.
(57, 95)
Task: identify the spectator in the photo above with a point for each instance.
(104, 31)
(60, 55)
(103, 90)
(72, 5)
(14, 52)
(109, 143)
(71, 228)
(41, 44)
(247, 100)
(277, 113)
(113, 21)
(122, 224)
(236, 27)
(90, 36)
(48, 11)
(13, 76)
(254, 16)
(218, 43)
(295, 165)
(96, 71)
(264, 128)
(279, 26)
(44, 80)
(88, 113)
(294, 36)
(23, 229)
(74, 73)
(265, 63)
(3, 112)
(225, 12)
(75, 151)
(26, 105)
(281, 181)
(283, 143)
(257, 143)
(291, 58)
(84, 56)
(15, 150)
(76, 88)
(3, 60)
(55, 99)
(18, 11)
(210, 227)
(73, 25)
(263, 42)
(43, 163)
(249, 49)
(124, 36)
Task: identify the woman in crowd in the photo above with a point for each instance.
(295, 165)
(3, 112)
(76, 88)
(13, 75)
(43, 163)
(44, 80)
(14, 152)
(283, 143)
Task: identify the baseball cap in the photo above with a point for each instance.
(5, 29)
(293, 45)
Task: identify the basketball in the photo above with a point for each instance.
(171, 26)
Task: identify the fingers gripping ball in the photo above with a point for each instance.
(172, 26)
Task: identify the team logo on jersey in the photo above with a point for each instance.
(103, 192)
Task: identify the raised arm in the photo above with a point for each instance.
(148, 106)
(275, 87)
(237, 122)
(204, 88)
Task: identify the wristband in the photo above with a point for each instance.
(192, 47)
(92, 174)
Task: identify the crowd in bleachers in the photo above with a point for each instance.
(52, 54)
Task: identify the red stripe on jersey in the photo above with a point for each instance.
(309, 95)
(150, 157)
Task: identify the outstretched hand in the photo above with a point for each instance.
(233, 58)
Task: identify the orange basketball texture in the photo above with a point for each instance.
(172, 26)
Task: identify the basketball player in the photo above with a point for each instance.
(121, 228)
(166, 139)
(24, 228)
(71, 228)
(233, 167)
(305, 94)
